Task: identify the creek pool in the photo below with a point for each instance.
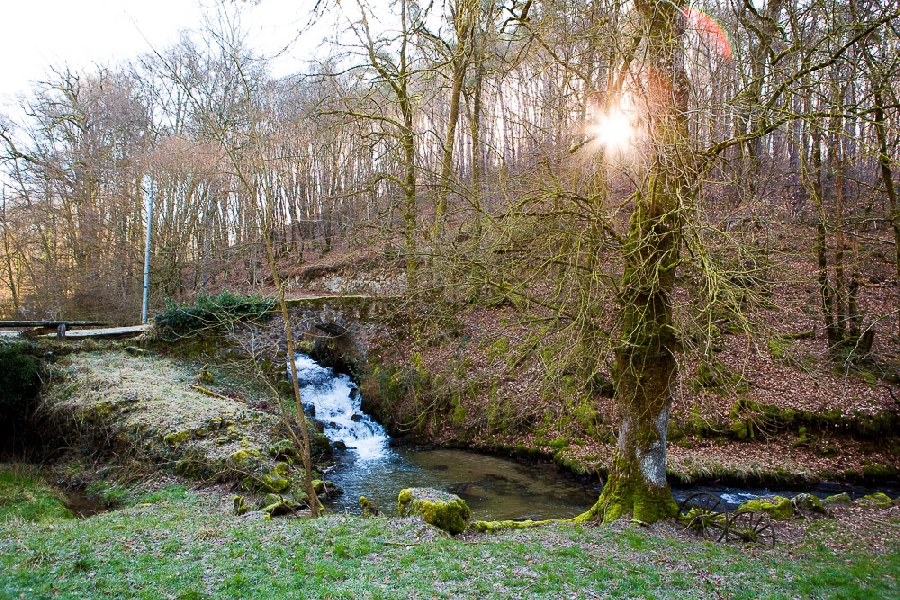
(494, 487)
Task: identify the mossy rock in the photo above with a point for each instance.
(240, 505)
(275, 505)
(369, 508)
(876, 500)
(176, 437)
(879, 472)
(274, 482)
(497, 526)
(807, 503)
(245, 457)
(284, 449)
(320, 445)
(742, 430)
(445, 511)
(777, 507)
(837, 500)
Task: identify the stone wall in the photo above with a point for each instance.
(337, 331)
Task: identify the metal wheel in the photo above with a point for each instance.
(750, 527)
(701, 513)
(701, 500)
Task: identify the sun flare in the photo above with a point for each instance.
(613, 130)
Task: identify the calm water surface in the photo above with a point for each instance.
(493, 487)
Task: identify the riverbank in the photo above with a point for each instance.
(177, 542)
(761, 415)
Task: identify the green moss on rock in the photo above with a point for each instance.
(808, 503)
(369, 509)
(444, 511)
(877, 500)
(176, 437)
(274, 482)
(742, 430)
(495, 526)
(777, 507)
(244, 457)
(240, 505)
(879, 472)
(284, 449)
(837, 500)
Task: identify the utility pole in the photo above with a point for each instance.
(149, 191)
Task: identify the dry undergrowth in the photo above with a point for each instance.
(161, 411)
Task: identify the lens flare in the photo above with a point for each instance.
(614, 130)
(710, 31)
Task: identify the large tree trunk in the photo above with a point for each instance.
(645, 355)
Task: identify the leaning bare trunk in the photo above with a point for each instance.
(459, 72)
(303, 442)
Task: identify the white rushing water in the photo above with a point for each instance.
(337, 403)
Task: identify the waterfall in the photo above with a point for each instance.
(336, 401)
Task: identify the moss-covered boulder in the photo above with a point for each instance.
(245, 458)
(777, 507)
(876, 500)
(445, 511)
(240, 505)
(284, 449)
(369, 508)
(276, 505)
(838, 500)
(274, 483)
(807, 503)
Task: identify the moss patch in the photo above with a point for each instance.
(877, 500)
(777, 507)
(444, 511)
(625, 493)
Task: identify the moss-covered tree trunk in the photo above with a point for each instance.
(647, 345)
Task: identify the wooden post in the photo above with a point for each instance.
(61, 332)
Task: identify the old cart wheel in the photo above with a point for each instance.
(701, 513)
(702, 500)
(750, 527)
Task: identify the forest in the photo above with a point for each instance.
(653, 243)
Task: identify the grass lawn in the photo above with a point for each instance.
(178, 543)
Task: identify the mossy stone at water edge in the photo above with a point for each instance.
(445, 511)
(837, 500)
(777, 507)
(877, 500)
(807, 503)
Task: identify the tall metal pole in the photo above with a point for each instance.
(149, 190)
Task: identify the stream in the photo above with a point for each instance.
(494, 487)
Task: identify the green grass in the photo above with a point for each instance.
(24, 496)
(181, 544)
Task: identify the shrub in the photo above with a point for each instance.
(209, 312)
(20, 381)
